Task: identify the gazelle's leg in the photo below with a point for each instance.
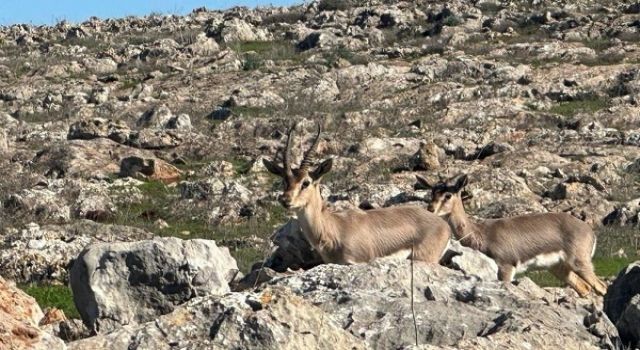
(506, 272)
(564, 273)
(584, 268)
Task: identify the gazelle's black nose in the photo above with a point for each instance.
(285, 201)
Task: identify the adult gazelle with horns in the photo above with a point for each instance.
(354, 236)
(556, 241)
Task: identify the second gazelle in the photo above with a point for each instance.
(555, 241)
(354, 236)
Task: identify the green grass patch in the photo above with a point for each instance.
(610, 267)
(571, 108)
(189, 220)
(606, 267)
(56, 296)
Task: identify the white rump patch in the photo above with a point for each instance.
(542, 261)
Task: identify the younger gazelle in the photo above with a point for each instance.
(555, 241)
(355, 236)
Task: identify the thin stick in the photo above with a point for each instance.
(413, 310)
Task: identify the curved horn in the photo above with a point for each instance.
(307, 161)
(286, 159)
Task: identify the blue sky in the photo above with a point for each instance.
(52, 11)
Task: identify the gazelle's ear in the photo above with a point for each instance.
(457, 183)
(273, 168)
(322, 169)
(423, 182)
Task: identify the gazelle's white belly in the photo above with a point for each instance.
(542, 261)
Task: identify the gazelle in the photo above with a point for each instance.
(555, 241)
(354, 236)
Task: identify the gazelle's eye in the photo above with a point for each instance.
(305, 184)
(447, 196)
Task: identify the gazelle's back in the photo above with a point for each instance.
(524, 237)
(381, 232)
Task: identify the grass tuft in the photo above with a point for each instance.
(571, 108)
(48, 295)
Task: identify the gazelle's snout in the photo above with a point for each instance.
(285, 200)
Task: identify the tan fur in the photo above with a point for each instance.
(516, 240)
(355, 236)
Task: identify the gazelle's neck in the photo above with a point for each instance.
(464, 229)
(316, 222)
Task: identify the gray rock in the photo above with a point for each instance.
(118, 284)
(271, 319)
(203, 45)
(100, 95)
(470, 261)
(97, 158)
(373, 302)
(291, 249)
(622, 304)
(155, 139)
(156, 118)
(4, 144)
(179, 122)
(148, 168)
(45, 253)
(237, 30)
(99, 127)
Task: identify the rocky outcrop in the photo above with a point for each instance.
(46, 253)
(117, 284)
(20, 317)
(149, 169)
(370, 306)
(374, 302)
(271, 319)
(622, 304)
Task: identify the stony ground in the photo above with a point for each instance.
(122, 129)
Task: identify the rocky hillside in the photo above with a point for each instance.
(120, 130)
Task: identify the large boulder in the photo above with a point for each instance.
(374, 302)
(88, 159)
(20, 316)
(622, 304)
(270, 319)
(370, 306)
(125, 283)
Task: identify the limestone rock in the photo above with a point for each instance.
(117, 284)
(271, 319)
(45, 253)
(152, 169)
(622, 304)
(19, 319)
(470, 261)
